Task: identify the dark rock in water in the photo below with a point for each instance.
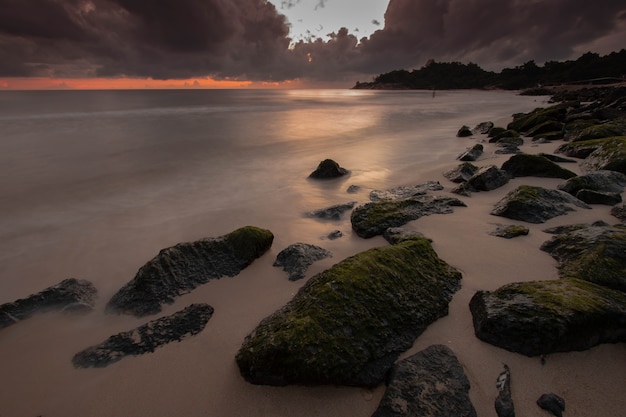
(512, 142)
(482, 128)
(374, 218)
(405, 192)
(508, 150)
(471, 154)
(348, 324)
(333, 212)
(430, 383)
(335, 234)
(69, 295)
(353, 189)
(595, 253)
(461, 173)
(599, 197)
(464, 131)
(540, 317)
(295, 259)
(510, 231)
(396, 235)
(328, 169)
(502, 135)
(485, 179)
(524, 165)
(619, 211)
(552, 403)
(605, 181)
(181, 268)
(526, 121)
(504, 401)
(495, 131)
(146, 338)
(536, 204)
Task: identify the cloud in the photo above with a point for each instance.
(248, 39)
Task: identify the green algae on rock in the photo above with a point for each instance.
(599, 154)
(348, 324)
(594, 253)
(540, 317)
(372, 219)
(181, 268)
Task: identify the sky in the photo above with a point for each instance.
(291, 43)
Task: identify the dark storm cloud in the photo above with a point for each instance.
(248, 39)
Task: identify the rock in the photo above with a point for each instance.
(536, 204)
(328, 169)
(508, 150)
(395, 235)
(526, 121)
(461, 173)
(374, 218)
(604, 181)
(335, 234)
(333, 212)
(295, 259)
(541, 317)
(485, 179)
(181, 268)
(512, 142)
(348, 324)
(610, 155)
(495, 131)
(463, 132)
(619, 211)
(579, 150)
(431, 383)
(595, 253)
(353, 189)
(405, 192)
(555, 158)
(504, 134)
(146, 338)
(602, 130)
(599, 197)
(504, 401)
(69, 295)
(510, 231)
(549, 126)
(552, 403)
(471, 154)
(524, 165)
(482, 128)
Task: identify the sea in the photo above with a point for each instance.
(93, 184)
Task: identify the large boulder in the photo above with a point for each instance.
(524, 165)
(296, 259)
(328, 169)
(599, 197)
(372, 219)
(611, 155)
(536, 204)
(146, 338)
(595, 253)
(348, 324)
(431, 383)
(179, 269)
(540, 317)
(69, 295)
(461, 173)
(602, 130)
(485, 179)
(526, 121)
(472, 153)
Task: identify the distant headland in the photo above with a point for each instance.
(590, 68)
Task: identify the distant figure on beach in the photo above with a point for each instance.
(433, 93)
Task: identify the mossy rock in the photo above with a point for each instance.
(510, 231)
(495, 131)
(605, 181)
(536, 204)
(545, 127)
(540, 317)
(602, 130)
(348, 324)
(594, 253)
(504, 134)
(179, 269)
(471, 154)
(372, 219)
(525, 165)
(461, 173)
(549, 136)
(610, 155)
(510, 141)
(464, 131)
(525, 122)
(580, 149)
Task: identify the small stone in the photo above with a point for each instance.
(552, 403)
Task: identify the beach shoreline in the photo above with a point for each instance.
(199, 377)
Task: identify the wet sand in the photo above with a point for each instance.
(199, 377)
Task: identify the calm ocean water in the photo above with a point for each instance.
(92, 180)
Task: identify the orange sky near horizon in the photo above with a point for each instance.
(24, 83)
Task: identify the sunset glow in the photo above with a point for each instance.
(119, 84)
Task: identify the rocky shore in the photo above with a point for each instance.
(352, 324)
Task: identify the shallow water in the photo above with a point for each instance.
(95, 183)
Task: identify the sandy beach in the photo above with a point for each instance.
(199, 377)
